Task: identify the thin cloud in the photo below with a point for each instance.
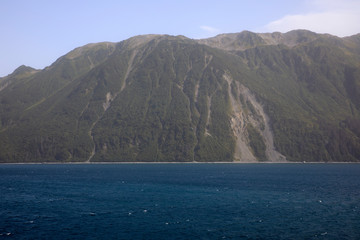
(209, 29)
(339, 18)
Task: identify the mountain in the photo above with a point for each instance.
(236, 97)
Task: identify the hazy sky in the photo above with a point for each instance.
(37, 32)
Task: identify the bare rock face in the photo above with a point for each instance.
(241, 118)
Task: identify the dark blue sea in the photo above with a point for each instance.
(180, 201)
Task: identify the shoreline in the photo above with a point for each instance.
(235, 162)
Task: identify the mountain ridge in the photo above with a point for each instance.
(269, 97)
(274, 38)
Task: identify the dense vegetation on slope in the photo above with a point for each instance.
(163, 98)
(316, 102)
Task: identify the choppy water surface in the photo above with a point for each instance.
(180, 201)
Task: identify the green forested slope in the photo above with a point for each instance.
(312, 95)
(164, 98)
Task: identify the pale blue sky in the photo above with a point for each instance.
(37, 32)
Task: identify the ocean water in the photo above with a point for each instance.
(180, 201)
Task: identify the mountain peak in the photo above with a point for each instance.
(139, 40)
(234, 41)
(22, 71)
(246, 39)
(91, 47)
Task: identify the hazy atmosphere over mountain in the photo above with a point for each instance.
(244, 96)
